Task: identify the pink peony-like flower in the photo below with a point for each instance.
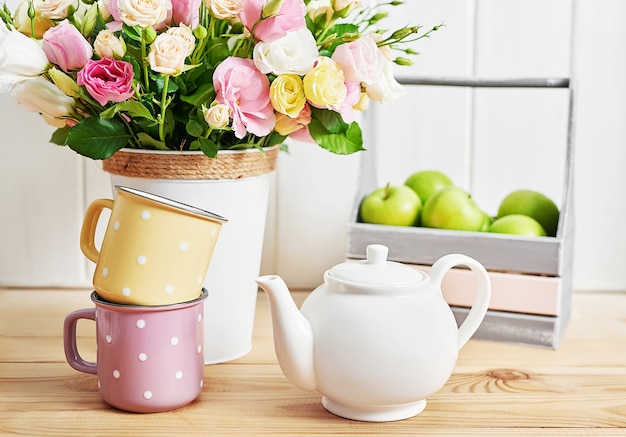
(66, 47)
(246, 91)
(360, 60)
(107, 80)
(290, 17)
(352, 98)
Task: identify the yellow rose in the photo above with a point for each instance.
(363, 103)
(21, 21)
(324, 86)
(287, 94)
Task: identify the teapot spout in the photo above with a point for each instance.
(293, 334)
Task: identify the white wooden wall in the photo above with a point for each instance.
(490, 142)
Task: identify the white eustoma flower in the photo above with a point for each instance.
(20, 58)
(387, 89)
(294, 53)
(39, 95)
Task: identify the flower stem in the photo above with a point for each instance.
(163, 109)
(144, 56)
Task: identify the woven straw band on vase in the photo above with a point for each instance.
(192, 166)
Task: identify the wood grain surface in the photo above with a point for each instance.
(496, 389)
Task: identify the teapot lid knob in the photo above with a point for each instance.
(377, 254)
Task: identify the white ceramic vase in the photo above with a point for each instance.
(230, 280)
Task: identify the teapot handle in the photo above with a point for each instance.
(483, 291)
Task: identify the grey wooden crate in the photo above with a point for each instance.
(540, 256)
(498, 252)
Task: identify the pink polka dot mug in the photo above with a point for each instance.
(149, 359)
(155, 251)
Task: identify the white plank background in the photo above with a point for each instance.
(489, 142)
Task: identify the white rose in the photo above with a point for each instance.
(56, 9)
(39, 95)
(186, 35)
(143, 13)
(107, 45)
(387, 89)
(167, 54)
(103, 7)
(224, 9)
(295, 53)
(20, 58)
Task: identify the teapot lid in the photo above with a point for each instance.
(375, 270)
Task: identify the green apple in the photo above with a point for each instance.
(453, 208)
(395, 205)
(532, 204)
(487, 221)
(517, 224)
(427, 182)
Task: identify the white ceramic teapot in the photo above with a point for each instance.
(377, 338)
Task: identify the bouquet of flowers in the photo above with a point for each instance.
(200, 74)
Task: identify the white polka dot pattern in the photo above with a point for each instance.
(141, 323)
(145, 215)
(142, 260)
(142, 357)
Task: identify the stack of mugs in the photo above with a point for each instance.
(148, 300)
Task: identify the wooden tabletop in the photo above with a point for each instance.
(496, 389)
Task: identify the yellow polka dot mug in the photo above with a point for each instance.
(155, 251)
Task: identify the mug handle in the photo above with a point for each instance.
(69, 341)
(88, 230)
(483, 291)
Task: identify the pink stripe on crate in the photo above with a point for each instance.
(512, 292)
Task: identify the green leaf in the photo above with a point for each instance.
(194, 128)
(58, 136)
(132, 107)
(331, 133)
(147, 142)
(96, 138)
(208, 147)
(202, 94)
(133, 32)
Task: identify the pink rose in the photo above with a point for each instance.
(66, 47)
(360, 60)
(352, 98)
(107, 80)
(186, 12)
(246, 91)
(290, 17)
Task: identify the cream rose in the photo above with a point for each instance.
(287, 94)
(324, 86)
(186, 35)
(224, 9)
(56, 9)
(217, 115)
(21, 20)
(107, 45)
(143, 13)
(167, 54)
